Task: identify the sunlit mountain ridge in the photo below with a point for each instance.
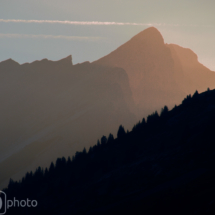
(159, 74)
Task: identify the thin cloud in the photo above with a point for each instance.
(42, 36)
(66, 22)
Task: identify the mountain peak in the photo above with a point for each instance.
(9, 62)
(67, 59)
(185, 54)
(149, 35)
(9, 65)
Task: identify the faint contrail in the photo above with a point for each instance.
(42, 36)
(82, 22)
(67, 22)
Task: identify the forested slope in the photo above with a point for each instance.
(165, 165)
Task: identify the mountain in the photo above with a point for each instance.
(54, 108)
(159, 74)
(165, 165)
(189, 73)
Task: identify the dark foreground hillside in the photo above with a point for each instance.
(163, 166)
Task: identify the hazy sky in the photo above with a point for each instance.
(97, 27)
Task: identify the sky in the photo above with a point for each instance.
(89, 29)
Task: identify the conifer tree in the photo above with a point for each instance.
(121, 131)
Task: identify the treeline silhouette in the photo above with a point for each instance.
(164, 165)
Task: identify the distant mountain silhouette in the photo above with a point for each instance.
(165, 165)
(159, 74)
(53, 108)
